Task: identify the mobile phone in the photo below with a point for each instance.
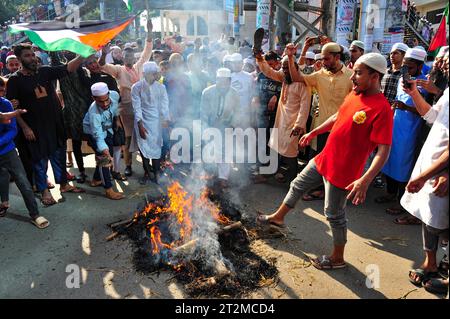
(315, 40)
(405, 75)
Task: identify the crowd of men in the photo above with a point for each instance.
(358, 119)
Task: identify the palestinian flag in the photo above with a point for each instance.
(440, 38)
(84, 39)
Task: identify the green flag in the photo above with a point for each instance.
(128, 4)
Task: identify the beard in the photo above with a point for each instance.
(33, 66)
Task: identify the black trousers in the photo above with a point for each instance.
(395, 187)
(76, 147)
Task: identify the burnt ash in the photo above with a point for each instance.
(251, 271)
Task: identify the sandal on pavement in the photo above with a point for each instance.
(421, 276)
(436, 285)
(118, 176)
(396, 211)
(308, 197)
(50, 185)
(263, 220)
(49, 201)
(408, 220)
(40, 222)
(3, 211)
(73, 189)
(324, 263)
(95, 183)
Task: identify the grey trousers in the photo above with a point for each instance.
(335, 199)
(430, 237)
(10, 164)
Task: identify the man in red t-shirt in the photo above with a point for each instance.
(362, 124)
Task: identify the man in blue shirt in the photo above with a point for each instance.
(98, 126)
(10, 164)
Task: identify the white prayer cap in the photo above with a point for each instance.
(223, 73)
(5, 48)
(150, 67)
(309, 55)
(10, 57)
(416, 54)
(127, 46)
(442, 52)
(99, 89)
(227, 58)
(400, 47)
(419, 47)
(375, 61)
(318, 56)
(236, 57)
(358, 44)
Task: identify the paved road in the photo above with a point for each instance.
(41, 263)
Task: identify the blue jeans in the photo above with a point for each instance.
(58, 162)
(102, 173)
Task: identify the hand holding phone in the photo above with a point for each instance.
(405, 76)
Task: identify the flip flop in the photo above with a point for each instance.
(408, 220)
(435, 286)
(263, 220)
(396, 211)
(421, 275)
(47, 202)
(50, 185)
(40, 222)
(309, 197)
(73, 189)
(324, 263)
(3, 211)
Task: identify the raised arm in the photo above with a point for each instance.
(148, 48)
(267, 70)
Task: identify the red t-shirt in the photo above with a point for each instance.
(363, 122)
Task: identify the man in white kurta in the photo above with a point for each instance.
(220, 110)
(425, 204)
(151, 114)
(126, 75)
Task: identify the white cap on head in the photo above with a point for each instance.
(10, 57)
(150, 67)
(236, 57)
(309, 55)
(400, 47)
(99, 89)
(416, 54)
(419, 47)
(223, 73)
(358, 44)
(318, 56)
(226, 58)
(5, 48)
(375, 61)
(127, 46)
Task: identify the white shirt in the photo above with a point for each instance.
(429, 208)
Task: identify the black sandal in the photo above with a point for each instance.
(422, 276)
(3, 211)
(436, 285)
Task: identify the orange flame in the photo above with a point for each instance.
(180, 205)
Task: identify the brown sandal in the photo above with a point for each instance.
(408, 220)
(73, 189)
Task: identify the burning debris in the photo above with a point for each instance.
(201, 238)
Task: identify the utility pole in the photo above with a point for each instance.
(102, 9)
(272, 26)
